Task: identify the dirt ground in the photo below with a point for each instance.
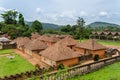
(29, 58)
(110, 46)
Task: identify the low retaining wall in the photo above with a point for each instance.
(79, 70)
(66, 73)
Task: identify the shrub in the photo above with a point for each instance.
(61, 66)
(96, 57)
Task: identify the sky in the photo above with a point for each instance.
(65, 12)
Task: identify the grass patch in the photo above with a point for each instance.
(104, 42)
(11, 67)
(6, 51)
(111, 72)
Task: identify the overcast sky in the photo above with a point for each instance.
(65, 11)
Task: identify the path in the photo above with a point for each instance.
(4, 55)
(26, 56)
(110, 46)
(29, 58)
(87, 62)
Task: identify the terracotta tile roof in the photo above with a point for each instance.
(21, 41)
(53, 39)
(59, 52)
(49, 38)
(43, 37)
(63, 36)
(35, 35)
(68, 41)
(36, 44)
(91, 44)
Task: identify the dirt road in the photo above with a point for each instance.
(110, 46)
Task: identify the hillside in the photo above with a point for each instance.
(50, 26)
(46, 25)
(102, 24)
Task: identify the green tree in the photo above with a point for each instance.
(66, 28)
(22, 29)
(80, 22)
(80, 25)
(36, 26)
(10, 30)
(1, 25)
(28, 32)
(61, 66)
(21, 20)
(10, 17)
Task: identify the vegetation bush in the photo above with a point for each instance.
(61, 66)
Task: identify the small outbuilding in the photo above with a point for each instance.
(59, 54)
(6, 43)
(35, 36)
(21, 42)
(91, 47)
(34, 47)
(49, 40)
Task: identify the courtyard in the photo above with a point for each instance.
(15, 65)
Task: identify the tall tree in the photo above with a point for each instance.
(10, 16)
(80, 25)
(21, 20)
(11, 30)
(66, 28)
(37, 26)
(80, 22)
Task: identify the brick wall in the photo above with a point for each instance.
(78, 49)
(36, 55)
(48, 61)
(101, 53)
(69, 62)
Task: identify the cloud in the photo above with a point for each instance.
(39, 10)
(103, 13)
(2, 9)
(61, 17)
(68, 14)
(83, 13)
(52, 16)
(57, 15)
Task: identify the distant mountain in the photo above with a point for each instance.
(46, 25)
(50, 26)
(102, 24)
(28, 23)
